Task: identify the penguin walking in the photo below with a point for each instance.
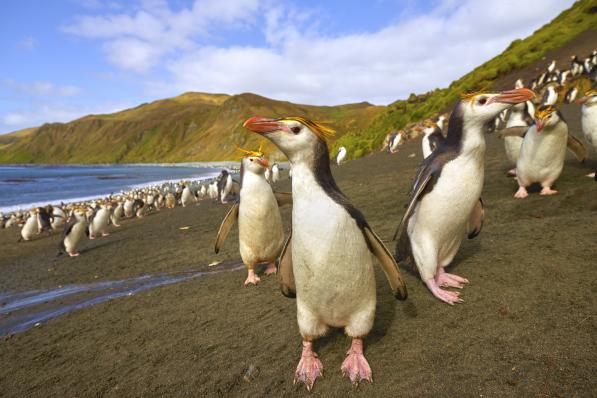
(98, 225)
(395, 141)
(328, 260)
(31, 226)
(550, 97)
(571, 95)
(518, 123)
(432, 138)
(542, 152)
(445, 199)
(72, 233)
(260, 229)
(341, 156)
(589, 120)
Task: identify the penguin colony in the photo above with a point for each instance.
(327, 260)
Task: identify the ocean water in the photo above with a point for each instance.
(28, 186)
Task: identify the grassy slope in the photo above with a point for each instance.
(568, 25)
(201, 127)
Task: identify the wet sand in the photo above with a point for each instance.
(527, 327)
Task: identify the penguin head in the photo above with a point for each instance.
(255, 164)
(481, 108)
(546, 116)
(590, 98)
(297, 137)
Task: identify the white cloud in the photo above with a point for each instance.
(51, 112)
(40, 89)
(296, 61)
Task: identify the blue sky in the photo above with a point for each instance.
(63, 59)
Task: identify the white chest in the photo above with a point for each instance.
(589, 124)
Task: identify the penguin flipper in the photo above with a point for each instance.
(577, 148)
(285, 270)
(475, 222)
(225, 227)
(388, 264)
(283, 198)
(513, 132)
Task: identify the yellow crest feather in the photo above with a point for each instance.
(322, 131)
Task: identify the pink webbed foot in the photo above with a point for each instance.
(116, 225)
(548, 191)
(511, 172)
(445, 279)
(74, 254)
(105, 234)
(309, 367)
(271, 269)
(521, 193)
(444, 295)
(592, 175)
(252, 278)
(355, 366)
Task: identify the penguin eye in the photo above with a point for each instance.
(296, 129)
(482, 101)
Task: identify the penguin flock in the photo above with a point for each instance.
(326, 262)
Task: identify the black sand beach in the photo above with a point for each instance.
(527, 327)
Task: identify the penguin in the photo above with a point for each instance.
(275, 173)
(260, 229)
(432, 138)
(203, 191)
(542, 153)
(45, 219)
(58, 217)
(445, 197)
(519, 120)
(550, 97)
(563, 77)
(327, 261)
(441, 121)
(170, 200)
(518, 83)
(128, 207)
(571, 95)
(117, 214)
(341, 156)
(551, 67)
(227, 189)
(187, 197)
(72, 233)
(139, 208)
(267, 175)
(395, 141)
(31, 226)
(98, 225)
(589, 120)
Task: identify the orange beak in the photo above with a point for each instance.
(582, 100)
(513, 96)
(262, 125)
(539, 123)
(263, 162)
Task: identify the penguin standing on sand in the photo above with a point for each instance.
(543, 152)
(445, 197)
(518, 123)
(31, 226)
(128, 207)
(341, 156)
(589, 120)
(58, 217)
(328, 259)
(117, 214)
(432, 138)
(72, 233)
(260, 229)
(395, 141)
(275, 173)
(98, 225)
(187, 196)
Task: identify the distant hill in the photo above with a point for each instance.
(204, 127)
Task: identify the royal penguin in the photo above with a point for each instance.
(550, 97)
(432, 138)
(275, 173)
(341, 156)
(328, 260)
(260, 229)
(445, 202)
(543, 152)
(519, 120)
(98, 225)
(117, 214)
(589, 120)
(187, 197)
(395, 141)
(551, 67)
(227, 189)
(128, 207)
(31, 226)
(58, 217)
(74, 229)
(571, 95)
